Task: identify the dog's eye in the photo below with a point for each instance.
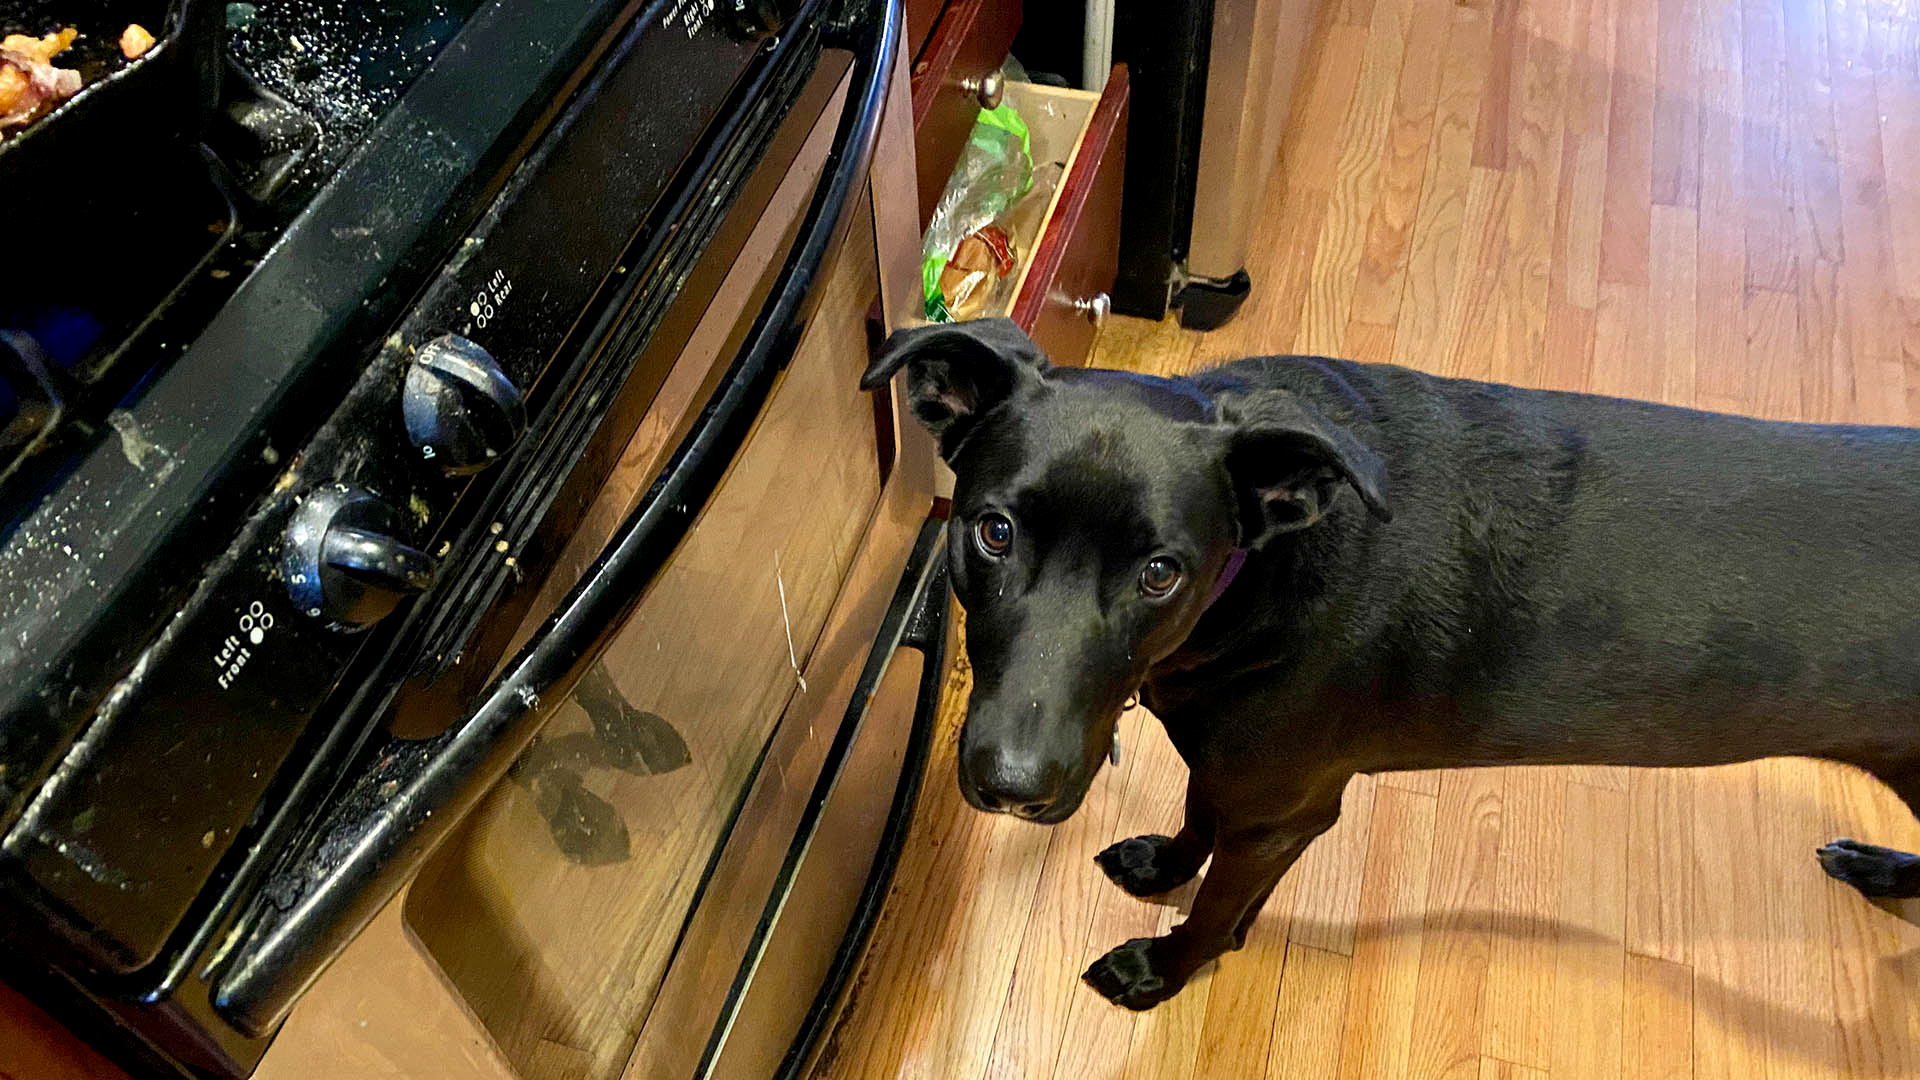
(1160, 578)
(994, 534)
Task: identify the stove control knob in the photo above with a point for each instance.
(461, 410)
(343, 561)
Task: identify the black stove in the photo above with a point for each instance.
(303, 384)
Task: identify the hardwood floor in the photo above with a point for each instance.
(1707, 202)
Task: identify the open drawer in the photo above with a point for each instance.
(1068, 265)
(956, 75)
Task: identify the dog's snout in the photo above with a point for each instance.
(1014, 783)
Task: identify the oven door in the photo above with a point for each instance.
(732, 669)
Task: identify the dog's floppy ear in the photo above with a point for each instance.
(956, 372)
(1286, 462)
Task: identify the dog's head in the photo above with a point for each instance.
(1094, 511)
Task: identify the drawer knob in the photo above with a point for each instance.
(1095, 309)
(987, 89)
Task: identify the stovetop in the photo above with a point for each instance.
(156, 362)
(341, 64)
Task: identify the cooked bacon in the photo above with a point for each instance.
(13, 83)
(42, 49)
(29, 83)
(135, 41)
(45, 86)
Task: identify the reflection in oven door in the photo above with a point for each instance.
(559, 907)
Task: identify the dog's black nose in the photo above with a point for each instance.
(1014, 784)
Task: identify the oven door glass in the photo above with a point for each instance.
(556, 910)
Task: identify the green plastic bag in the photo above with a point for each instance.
(995, 169)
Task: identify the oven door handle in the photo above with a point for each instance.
(382, 829)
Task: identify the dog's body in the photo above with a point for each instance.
(1563, 579)
(1569, 579)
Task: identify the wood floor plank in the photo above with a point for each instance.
(1534, 164)
(1509, 48)
(1364, 137)
(1456, 943)
(1910, 354)
(1774, 355)
(1802, 1040)
(1673, 301)
(1236, 1037)
(1570, 334)
(1828, 367)
(1676, 113)
(1304, 184)
(1767, 147)
(1660, 881)
(1724, 379)
(1605, 777)
(1622, 327)
(1310, 1015)
(1657, 1039)
(1876, 954)
(1867, 280)
(1312, 146)
(1166, 1040)
(1580, 206)
(1899, 95)
(1101, 1034)
(1385, 974)
(1517, 1013)
(960, 871)
(1729, 989)
(1589, 1004)
(1368, 343)
(1383, 255)
(1424, 783)
(1432, 262)
(1629, 196)
(1353, 12)
(1474, 333)
(1495, 1069)
(1324, 886)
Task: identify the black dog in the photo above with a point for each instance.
(1311, 568)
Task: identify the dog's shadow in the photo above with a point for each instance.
(1880, 989)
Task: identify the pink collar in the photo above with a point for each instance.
(1232, 570)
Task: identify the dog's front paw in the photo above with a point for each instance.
(1874, 870)
(1142, 865)
(1128, 976)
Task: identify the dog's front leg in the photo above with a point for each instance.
(1153, 864)
(1247, 864)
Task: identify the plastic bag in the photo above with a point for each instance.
(994, 170)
